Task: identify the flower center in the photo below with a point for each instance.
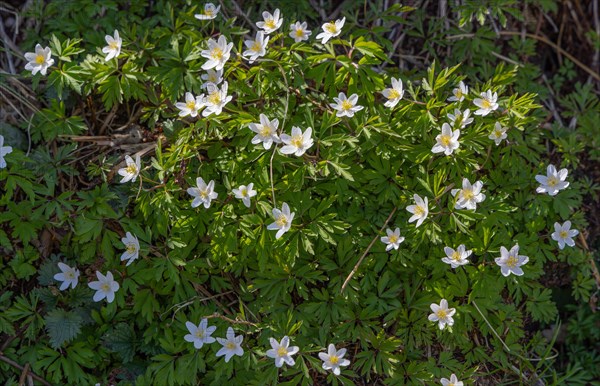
(458, 93)
(334, 359)
(199, 334)
(299, 32)
(393, 239)
(331, 28)
(468, 194)
(212, 78)
(244, 192)
(105, 287)
(70, 274)
(204, 194)
(497, 133)
(456, 256)
(394, 94)
(131, 169)
(208, 12)
(296, 141)
(230, 345)
(441, 314)
(256, 46)
(563, 234)
(215, 98)
(512, 262)
(419, 211)
(485, 104)
(282, 222)
(265, 131)
(40, 59)
(114, 45)
(270, 23)
(191, 105)
(282, 351)
(445, 140)
(131, 248)
(346, 105)
(216, 53)
(552, 181)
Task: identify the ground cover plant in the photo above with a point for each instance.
(299, 193)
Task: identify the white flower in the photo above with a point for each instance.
(453, 381)
(420, 210)
(469, 196)
(281, 352)
(487, 103)
(333, 360)
(458, 94)
(113, 49)
(39, 60)
(218, 53)
(564, 234)
(271, 22)
(460, 119)
(245, 193)
(191, 105)
(231, 345)
(215, 99)
(266, 131)
(447, 141)
(553, 182)
(299, 31)
(4, 150)
(203, 194)
(393, 94)
(283, 220)
(393, 239)
(346, 106)
(105, 287)
(498, 134)
(132, 248)
(201, 334)
(256, 48)
(457, 257)
(442, 314)
(330, 30)
(298, 142)
(511, 262)
(69, 276)
(132, 170)
(212, 76)
(209, 13)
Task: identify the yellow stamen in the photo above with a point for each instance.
(215, 98)
(199, 333)
(230, 345)
(114, 45)
(485, 104)
(563, 234)
(445, 140)
(468, 194)
(299, 32)
(281, 221)
(131, 248)
(40, 59)
(393, 239)
(297, 141)
(282, 351)
(441, 314)
(331, 28)
(265, 131)
(270, 23)
(419, 211)
(216, 53)
(105, 287)
(552, 181)
(512, 262)
(393, 94)
(191, 105)
(334, 360)
(456, 256)
(346, 105)
(131, 169)
(256, 46)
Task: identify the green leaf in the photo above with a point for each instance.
(62, 326)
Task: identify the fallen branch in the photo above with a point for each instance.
(367, 251)
(22, 368)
